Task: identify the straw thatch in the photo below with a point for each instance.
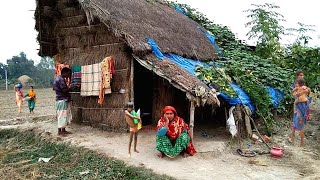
(180, 79)
(87, 32)
(135, 20)
(24, 79)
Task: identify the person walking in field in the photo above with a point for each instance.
(19, 96)
(31, 95)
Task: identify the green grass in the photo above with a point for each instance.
(20, 151)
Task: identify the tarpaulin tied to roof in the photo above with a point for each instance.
(212, 40)
(190, 65)
(155, 49)
(242, 98)
(180, 10)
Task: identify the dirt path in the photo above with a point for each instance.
(214, 160)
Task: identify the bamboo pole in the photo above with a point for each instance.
(191, 119)
(132, 80)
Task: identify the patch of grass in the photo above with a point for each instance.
(23, 149)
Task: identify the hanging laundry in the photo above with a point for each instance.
(90, 80)
(57, 71)
(107, 72)
(76, 75)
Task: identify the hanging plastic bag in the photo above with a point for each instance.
(139, 124)
(231, 123)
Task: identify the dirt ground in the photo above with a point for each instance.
(216, 157)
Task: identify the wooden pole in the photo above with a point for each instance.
(226, 113)
(132, 80)
(248, 124)
(191, 119)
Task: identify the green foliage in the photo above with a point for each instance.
(25, 148)
(302, 30)
(306, 59)
(20, 65)
(216, 76)
(42, 74)
(265, 26)
(252, 71)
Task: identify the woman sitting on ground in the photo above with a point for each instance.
(173, 136)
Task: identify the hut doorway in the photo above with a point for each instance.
(210, 122)
(143, 92)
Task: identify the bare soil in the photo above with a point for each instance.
(216, 157)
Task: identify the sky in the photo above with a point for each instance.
(17, 31)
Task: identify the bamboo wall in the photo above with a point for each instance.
(81, 44)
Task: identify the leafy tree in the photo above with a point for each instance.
(2, 71)
(265, 26)
(302, 30)
(46, 63)
(42, 74)
(20, 65)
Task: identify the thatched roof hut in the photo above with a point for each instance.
(86, 31)
(24, 79)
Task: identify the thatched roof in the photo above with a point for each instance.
(132, 21)
(196, 90)
(135, 20)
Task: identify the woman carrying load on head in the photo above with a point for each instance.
(173, 136)
(19, 96)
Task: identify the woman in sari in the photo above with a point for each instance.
(19, 96)
(301, 108)
(32, 99)
(173, 136)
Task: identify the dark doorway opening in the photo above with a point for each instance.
(143, 92)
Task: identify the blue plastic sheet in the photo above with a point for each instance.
(212, 40)
(276, 96)
(155, 49)
(188, 64)
(242, 98)
(181, 10)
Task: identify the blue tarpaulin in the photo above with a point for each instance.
(212, 40)
(190, 65)
(181, 10)
(155, 49)
(276, 96)
(242, 98)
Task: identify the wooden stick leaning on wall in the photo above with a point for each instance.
(132, 80)
(191, 124)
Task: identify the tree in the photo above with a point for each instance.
(20, 65)
(2, 71)
(46, 63)
(265, 26)
(302, 37)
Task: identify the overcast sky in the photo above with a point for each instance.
(17, 23)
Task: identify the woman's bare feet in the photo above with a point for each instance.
(160, 155)
(129, 155)
(185, 154)
(290, 140)
(136, 151)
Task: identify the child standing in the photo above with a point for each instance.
(133, 121)
(301, 106)
(32, 101)
(19, 96)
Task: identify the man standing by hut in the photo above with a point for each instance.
(63, 98)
